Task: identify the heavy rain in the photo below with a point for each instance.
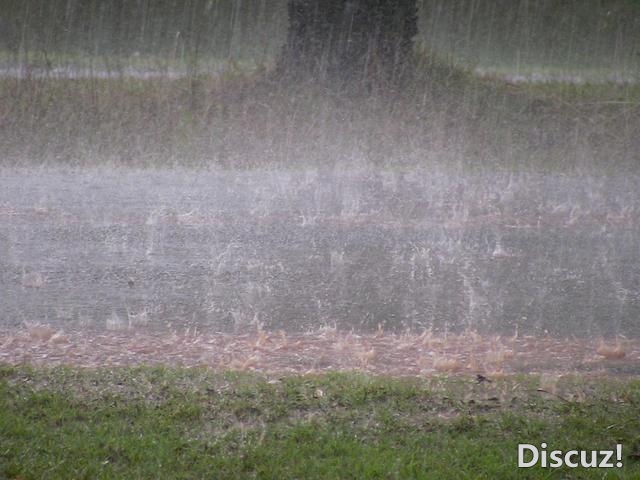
(456, 174)
(319, 239)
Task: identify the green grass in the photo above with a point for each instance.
(589, 38)
(240, 117)
(559, 74)
(177, 423)
(445, 117)
(44, 64)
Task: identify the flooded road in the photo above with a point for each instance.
(298, 250)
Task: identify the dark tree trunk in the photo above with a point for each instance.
(350, 41)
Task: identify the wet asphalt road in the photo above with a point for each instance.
(306, 248)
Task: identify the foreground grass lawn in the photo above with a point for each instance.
(195, 423)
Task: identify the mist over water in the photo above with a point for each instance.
(301, 249)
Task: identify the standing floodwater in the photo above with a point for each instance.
(300, 249)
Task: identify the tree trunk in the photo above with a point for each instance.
(350, 41)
